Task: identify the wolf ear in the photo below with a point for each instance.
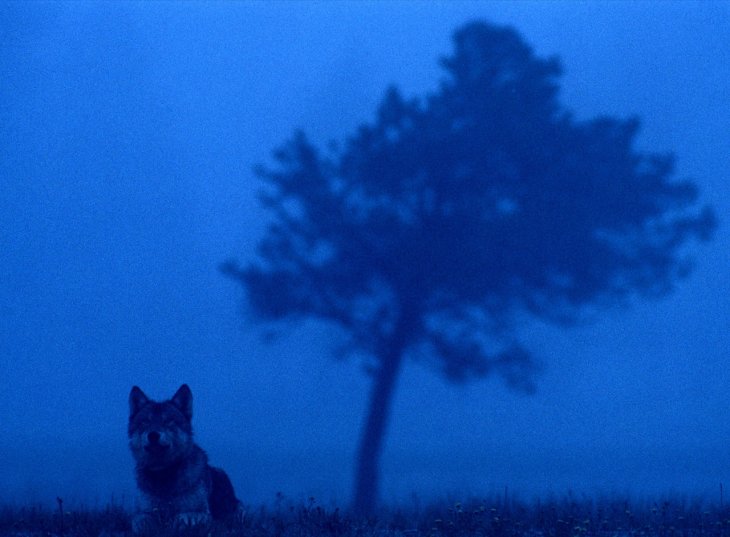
(183, 399)
(137, 399)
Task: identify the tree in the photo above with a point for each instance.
(434, 230)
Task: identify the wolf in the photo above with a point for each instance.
(176, 481)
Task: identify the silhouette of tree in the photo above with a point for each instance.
(431, 230)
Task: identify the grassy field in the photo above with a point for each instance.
(495, 517)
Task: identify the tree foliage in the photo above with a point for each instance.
(480, 200)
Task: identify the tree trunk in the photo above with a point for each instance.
(371, 441)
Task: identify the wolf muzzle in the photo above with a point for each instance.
(153, 444)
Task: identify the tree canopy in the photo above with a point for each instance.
(484, 198)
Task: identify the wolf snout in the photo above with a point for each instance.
(153, 443)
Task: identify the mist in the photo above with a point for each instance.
(128, 136)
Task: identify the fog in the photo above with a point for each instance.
(128, 134)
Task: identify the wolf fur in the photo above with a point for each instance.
(172, 471)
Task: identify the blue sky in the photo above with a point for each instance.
(128, 132)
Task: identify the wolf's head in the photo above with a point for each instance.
(160, 433)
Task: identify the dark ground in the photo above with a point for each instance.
(495, 517)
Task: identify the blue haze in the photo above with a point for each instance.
(127, 136)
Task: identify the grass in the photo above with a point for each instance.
(492, 517)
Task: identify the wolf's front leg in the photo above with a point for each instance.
(142, 521)
(192, 518)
